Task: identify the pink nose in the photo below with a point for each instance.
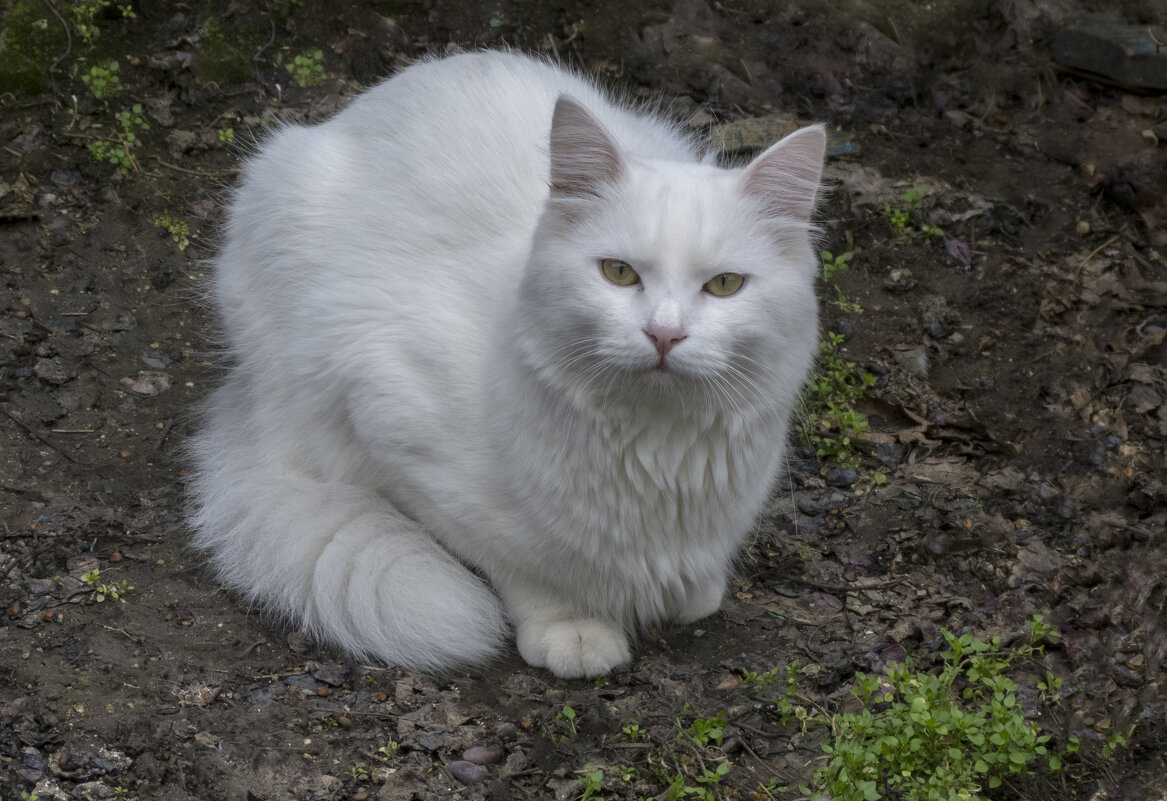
(664, 337)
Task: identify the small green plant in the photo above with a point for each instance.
(307, 69)
(923, 736)
(705, 730)
(85, 13)
(226, 135)
(593, 783)
(27, 796)
(600, 682)
(103, 81)
(178, 229)
(837, 386)
(832, 266)
(756, 681)
(626, 773)
(930, 231)
(101, 591)
(388, 751)
(632, 731)
(566, 717)
(356, 772)
(119, 150)
(900, 217)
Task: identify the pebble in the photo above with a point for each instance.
(467, 772)
(841, 477)
(483, 754)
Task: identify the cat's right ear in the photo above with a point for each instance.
(584, 160)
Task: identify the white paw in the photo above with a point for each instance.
(573, 648)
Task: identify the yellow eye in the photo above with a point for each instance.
(724, 285)
(619, 272)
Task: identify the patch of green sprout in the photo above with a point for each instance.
(103, 80)
(836, 386)
(923, 736)
(178, 229)
(226, 135)
(703, 731)
(86, 12)
(101, 590)
(566, 717)
(832, 266)
(119, 150)
(307, 69)
(632, 731)
(900, 217)
(593, 784)
(388, 751)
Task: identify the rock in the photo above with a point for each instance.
(841, 477)
(92, 790)
(332, 675)
(467, 772)
(1104, 45)
(54, 371)
(484, 754)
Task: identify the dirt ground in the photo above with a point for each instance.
(1019, 416)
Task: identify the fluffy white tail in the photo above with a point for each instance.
(333, 558)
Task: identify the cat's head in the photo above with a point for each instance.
(675, 279)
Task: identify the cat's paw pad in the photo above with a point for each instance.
(574, 648)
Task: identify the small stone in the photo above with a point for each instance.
(1083, 228)
(332, 675)
(484, 754)
(506, 732)
(54, 371)
(1136, 662)
(323, 691)
(92, 790)
(467, 772)
(297, 642)
(382, 697)
(841, 477)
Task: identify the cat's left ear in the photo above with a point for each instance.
(584, 160)
(786, 177)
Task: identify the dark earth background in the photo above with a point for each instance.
(1019, 415)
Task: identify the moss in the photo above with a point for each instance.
(228, 51)
(31, 39)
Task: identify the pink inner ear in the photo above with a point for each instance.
(584, 159)
(786, 176)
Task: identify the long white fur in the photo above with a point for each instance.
(429, 373)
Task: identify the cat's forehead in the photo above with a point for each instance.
(681, 215)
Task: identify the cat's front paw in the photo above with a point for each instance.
(573, 648)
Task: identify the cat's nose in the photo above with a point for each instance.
(664, 337)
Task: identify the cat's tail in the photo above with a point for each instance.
(337, 560)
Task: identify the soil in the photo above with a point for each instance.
(1013, 464)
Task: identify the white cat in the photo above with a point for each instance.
(487, 326)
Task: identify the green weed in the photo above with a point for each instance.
(307, 69)
(901, 217)
(834, 423)
(923, 736)
(226, 135)
(101, 591)
(593, 782)
(86, 12)
(705, 730)
(178, 229)
(632, 731)
(119, 150)
(566, 718)
(103, 81)
(832, 266)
